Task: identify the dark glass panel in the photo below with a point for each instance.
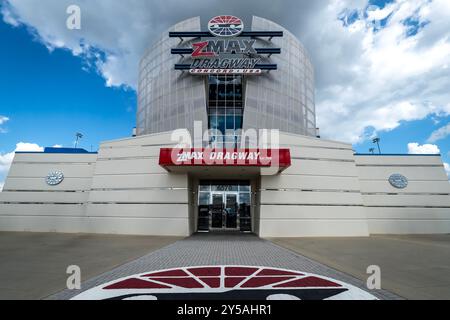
(203, 198)
(221, 123)
(238, 122)
(230, 122)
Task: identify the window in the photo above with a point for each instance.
(203, 199)
(225, 108)
(230, 122)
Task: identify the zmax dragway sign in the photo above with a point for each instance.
(233, 52)
(179, 157)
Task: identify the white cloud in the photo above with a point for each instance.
(440, 134)
(5, 161)
(3, 120)
(375, 13)
(29, 147)
(415, 148)
(386, 77)
(8, 17)
(7, 158)
(112, 38)
(371, 74)
(447, 168)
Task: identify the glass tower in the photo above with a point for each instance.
(282, 99)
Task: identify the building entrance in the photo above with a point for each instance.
(224, 206)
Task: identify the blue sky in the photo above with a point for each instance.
(49, 95)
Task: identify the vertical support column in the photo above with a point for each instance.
(256, 203)
(193, 204)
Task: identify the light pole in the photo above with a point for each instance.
(78, 136)
(377, 141)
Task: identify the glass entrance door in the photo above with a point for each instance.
(231, 210)
(217, 209)
(224, 205)
(224, 210)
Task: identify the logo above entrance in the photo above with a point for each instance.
(226, 26)
(280, 158)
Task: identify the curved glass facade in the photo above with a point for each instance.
(169, 99)
(280, 99)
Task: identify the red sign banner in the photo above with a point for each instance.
(225, 157)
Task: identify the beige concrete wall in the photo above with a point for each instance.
(328, 191)
(319, 195)
(422, 207)
(27, 203)
(121, 190)
(132, 194)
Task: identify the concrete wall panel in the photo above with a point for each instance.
(43, 224)
(407, 200)
(55, 158)
(49, 210)
(160, 211)
(415, 186)
(128, 152)
(41, 170)
(322, 168)
(43, 197)
(139, 226)
(292, 212)
(39, 183)
(143, 196)
(309, 182)
(138, 166)
(315, 198)
(136, 181)
(405, 160)
(412, 173)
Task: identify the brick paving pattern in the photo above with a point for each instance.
(221, 249)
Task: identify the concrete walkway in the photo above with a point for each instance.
(33, 265)
(414, 267)
(221, 249)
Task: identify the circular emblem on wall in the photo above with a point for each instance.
(398, 181)
(225, 26)
(225, 283)
(54, 178)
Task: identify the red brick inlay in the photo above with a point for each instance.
(205, 272)
(232, 282)
(308, 282)
(171, 273)
(239, 271)
(189, 283)
(256, 282)
(135, 283)
(273, 272)
(212, 282)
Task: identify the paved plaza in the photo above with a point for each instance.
(414, 266)
(221, 249)
(33, 265)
